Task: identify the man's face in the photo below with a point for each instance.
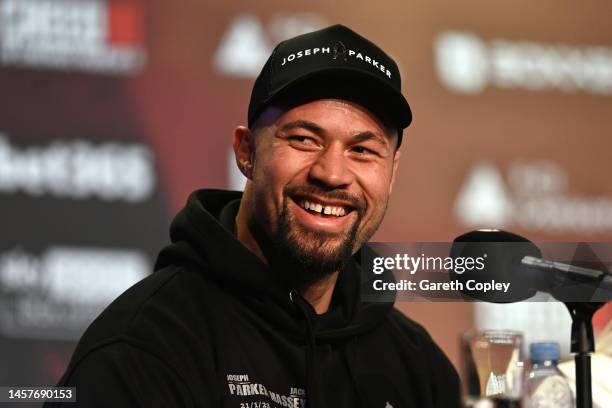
(322, 175)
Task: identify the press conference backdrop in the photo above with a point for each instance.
(111, 112)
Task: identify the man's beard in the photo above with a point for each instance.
(318, 254)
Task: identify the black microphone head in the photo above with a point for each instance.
(501, 253)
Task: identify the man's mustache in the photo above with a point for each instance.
(299, 190)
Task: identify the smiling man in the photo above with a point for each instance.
(256, 303)
(320, 175)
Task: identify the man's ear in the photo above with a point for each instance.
(244, 150)
(396, 159)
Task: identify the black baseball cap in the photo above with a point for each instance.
(334, 62)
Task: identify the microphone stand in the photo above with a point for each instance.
(583, 344)
(582, 340)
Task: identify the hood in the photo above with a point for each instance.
(203, 239)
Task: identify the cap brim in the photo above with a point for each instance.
(364, 88)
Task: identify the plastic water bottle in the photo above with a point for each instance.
(545, 385)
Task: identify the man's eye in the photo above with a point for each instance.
(301, 139)
(362, 150)
(302, 142)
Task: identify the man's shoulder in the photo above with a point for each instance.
(137, 302)
(161, 326)
(147, 312)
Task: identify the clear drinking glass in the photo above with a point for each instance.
(493, 367)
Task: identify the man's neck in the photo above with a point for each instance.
(318, 294)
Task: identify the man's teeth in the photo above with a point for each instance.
(327, 209)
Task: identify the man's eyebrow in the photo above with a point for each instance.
(313, 127)
(368, 135)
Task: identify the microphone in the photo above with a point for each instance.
(563, 267)
(562, 276)
(513, 259)
(503, 252)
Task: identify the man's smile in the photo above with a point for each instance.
(321, 215)
(323, 206)
(324, 209)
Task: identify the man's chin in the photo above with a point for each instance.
(319, 254)
(319, 243)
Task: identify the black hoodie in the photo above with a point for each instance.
(213, 327)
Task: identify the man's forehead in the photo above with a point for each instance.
(324, 113)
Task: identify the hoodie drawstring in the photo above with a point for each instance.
(312, 389)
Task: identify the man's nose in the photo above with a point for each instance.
(331, 168)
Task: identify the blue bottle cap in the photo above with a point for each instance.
(545, 351)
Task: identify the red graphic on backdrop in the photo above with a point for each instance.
(125, 23)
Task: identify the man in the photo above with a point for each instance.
(256, 303)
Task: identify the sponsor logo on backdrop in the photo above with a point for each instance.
(533, 195)
(467, 63)
(248, 42)
(78, 169)
(58, 293)
(73, 35)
